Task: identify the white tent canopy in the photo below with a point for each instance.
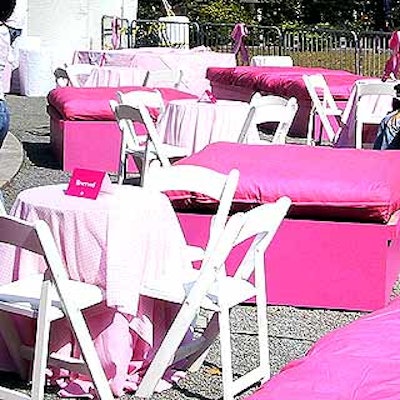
(64, 26)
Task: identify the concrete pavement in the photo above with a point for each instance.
(11, 158)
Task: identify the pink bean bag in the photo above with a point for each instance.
(357, 362)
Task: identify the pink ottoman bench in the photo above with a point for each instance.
(339, 248)
(83, 131)
(240, 83)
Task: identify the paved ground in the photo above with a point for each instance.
(292, 330)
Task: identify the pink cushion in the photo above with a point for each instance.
(324, 183)
(359, 362)
(93, 104)
(283, 81)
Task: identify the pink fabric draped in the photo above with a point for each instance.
(393, 63)
(116, 34)
(238, 34)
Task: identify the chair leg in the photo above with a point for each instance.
(310, 128)
(226, 353)
(42, 343)
(263, 339)
(358, 135)
(89, 353)
(122, 171)
(145, 164)
(167, 349)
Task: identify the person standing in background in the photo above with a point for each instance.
(12, 20)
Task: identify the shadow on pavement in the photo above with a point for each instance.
(41, 155)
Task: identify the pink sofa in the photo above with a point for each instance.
(83, 131)
(339, 248)
(239, 83)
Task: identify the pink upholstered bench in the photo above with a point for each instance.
(240, 83)
(340, 246)
(83, 131)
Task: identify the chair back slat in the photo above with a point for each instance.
(323, 104)
(201, 180)
(270, 108)
(151, 99)
(20, 234)
(163, 78)
(261, 224)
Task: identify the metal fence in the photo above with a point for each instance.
(359, 52)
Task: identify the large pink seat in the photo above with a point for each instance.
(359, 362)
(239, 83)
(83, 131)
(339, 248)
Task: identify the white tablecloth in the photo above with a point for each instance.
(193, 62)
(115, 76)
(193, 125)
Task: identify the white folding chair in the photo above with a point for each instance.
(46, 298)
(323, 105)
(151, 99)
(272, 61)
(368, 110)
(272, 109)
(163, 78)
(144, 153)
(212, 289)
(207, 182)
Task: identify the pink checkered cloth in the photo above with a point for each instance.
(117, 242)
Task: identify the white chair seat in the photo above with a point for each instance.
(25, 294)
(228, 290)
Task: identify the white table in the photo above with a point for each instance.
(193, 125)
(115, 76)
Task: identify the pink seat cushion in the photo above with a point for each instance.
(358, 362)
(93, 104)
(283, 81)
(324, 183)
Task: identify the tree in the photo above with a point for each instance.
(216, 11)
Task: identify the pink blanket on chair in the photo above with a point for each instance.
(357, 362)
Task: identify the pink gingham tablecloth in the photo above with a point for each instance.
(117, 241)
